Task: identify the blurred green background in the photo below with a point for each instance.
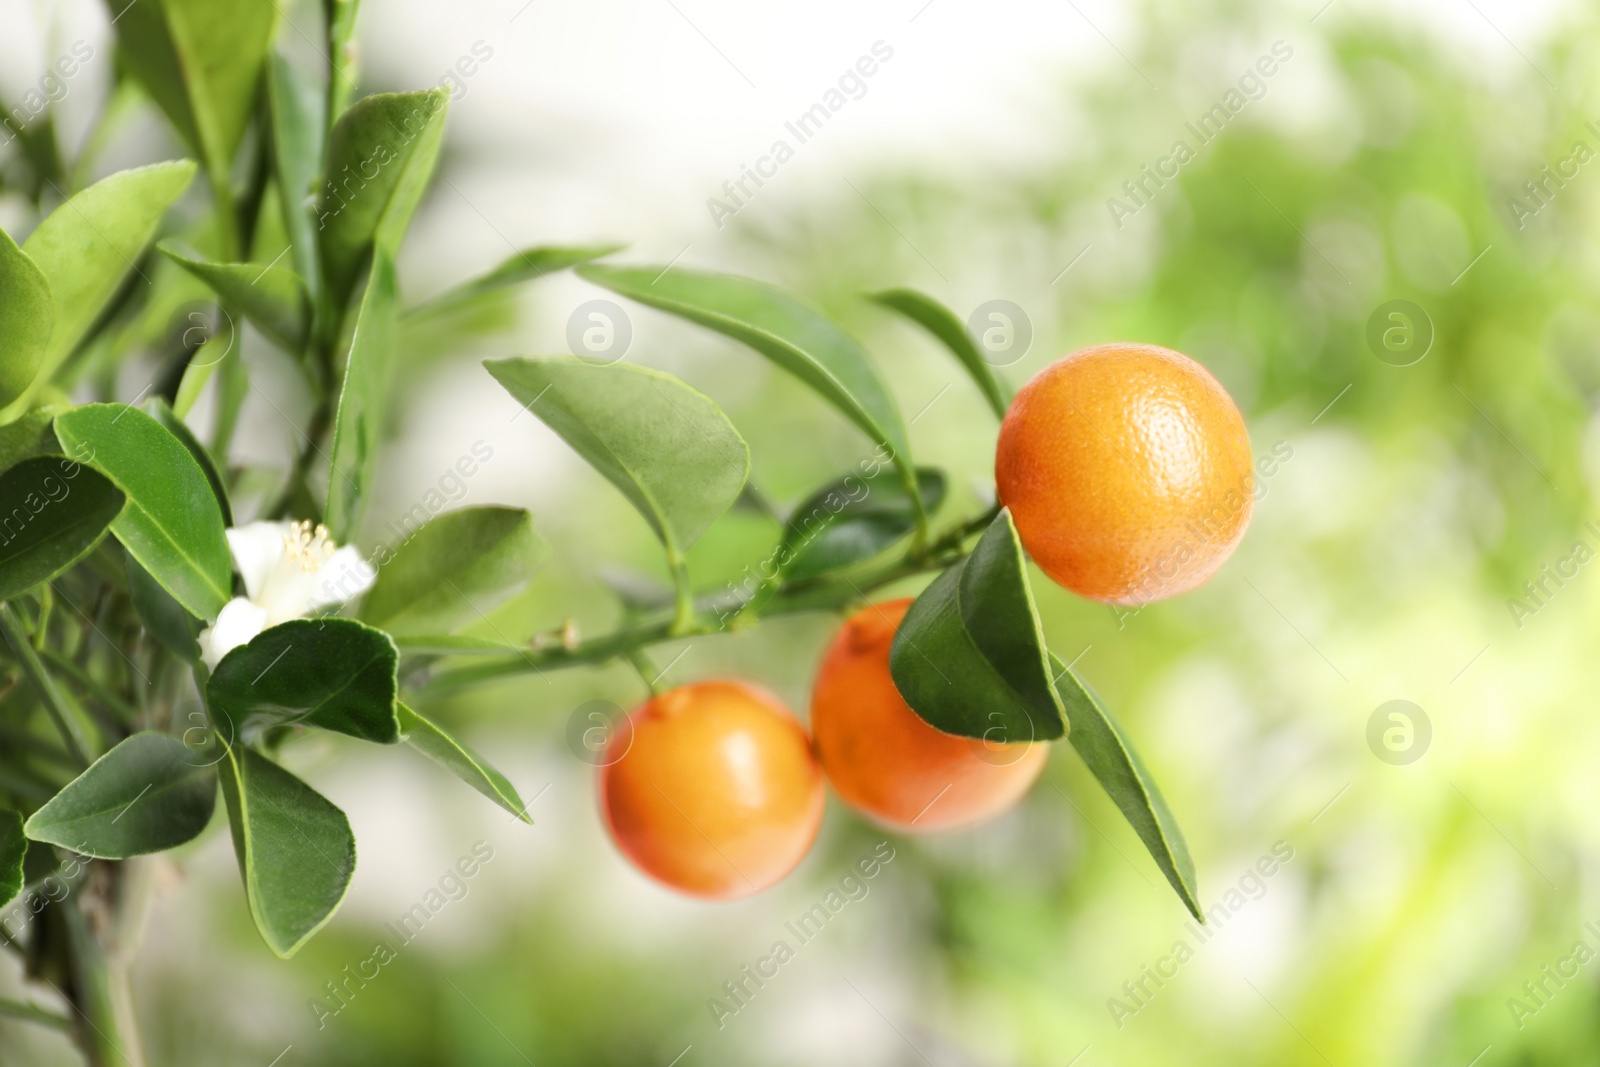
(1377, 164)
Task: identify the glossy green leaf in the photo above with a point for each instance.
(298, 108)
(148, 794)
(457, 645)
(172, 523)
(453, 570)
(970, 656)
(27, 315)
(852, 519)
(666, 445)
(88, 245)
(53, 512)
(201, 62)
(295, 849)
(460, 761)
(943, 323)
(157, 409)
(363, 398)
(271, 296)
(13, 851)
(524, 266)
(381, 156)
(336, 674)
(166, 620)
(790, 333)
(1100, 740)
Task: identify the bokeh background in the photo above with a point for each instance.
(1426, 884)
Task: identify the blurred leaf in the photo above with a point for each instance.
(666, 445)
(381, 156)
(334, 674)
(146, 795)
(943, 323)
(524, 266)
(27, 314)
(295, 849)
(357, 424)
(157, 409)
(455, 645)
(340, 18)
(89, 244)
(201, 62)
(298, 112)
(453, 570)
(969, 657)
(853, 519)
(788, 332)
(1100, 741)
(13, 851)
(50, 519)
(172, 523)
(460, 761)
(273, 297)
(30, 434)
(166, 620)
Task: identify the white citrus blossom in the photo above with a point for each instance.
(290, 571)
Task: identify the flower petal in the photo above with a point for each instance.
(238, 623)
(344, 577)
(257, 548)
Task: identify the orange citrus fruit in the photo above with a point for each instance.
(1127, 470)
(885, 760)
(716, 793)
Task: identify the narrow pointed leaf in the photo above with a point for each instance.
(148, 794)
(53, 512)
(787, 331)
(158, 409)
(453, 570)
(13, 851)
(27, 315)
(940, 321)
(336, 674)
(524, 266)
(381, 155)
(461, 761)
(970, 657)
(295, 849)
(665, 445)
(88, 245)
(298, 107)
(358, 423)
(172, 523)
(1100, 740)
(852, 519)
(271, 296)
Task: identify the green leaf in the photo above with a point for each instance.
(524, 266)
(790, 333)
(940, 321)
(27, 315)
(341, 20)
(201, 63)
(88, 245)
(157, 409)
(666, 445)
(295, 849)
(29, 435)
(53, 512)
(453, 570)
(148, 794)
(13, 850)
(970, 657)
(381, 155)
(461, 761)
(358, 422)
(457, 645)
(852, 519)
(167, 621)
(299, 113)
(335, 674)
(172, 523)
(1104, 746)
(271, 296)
